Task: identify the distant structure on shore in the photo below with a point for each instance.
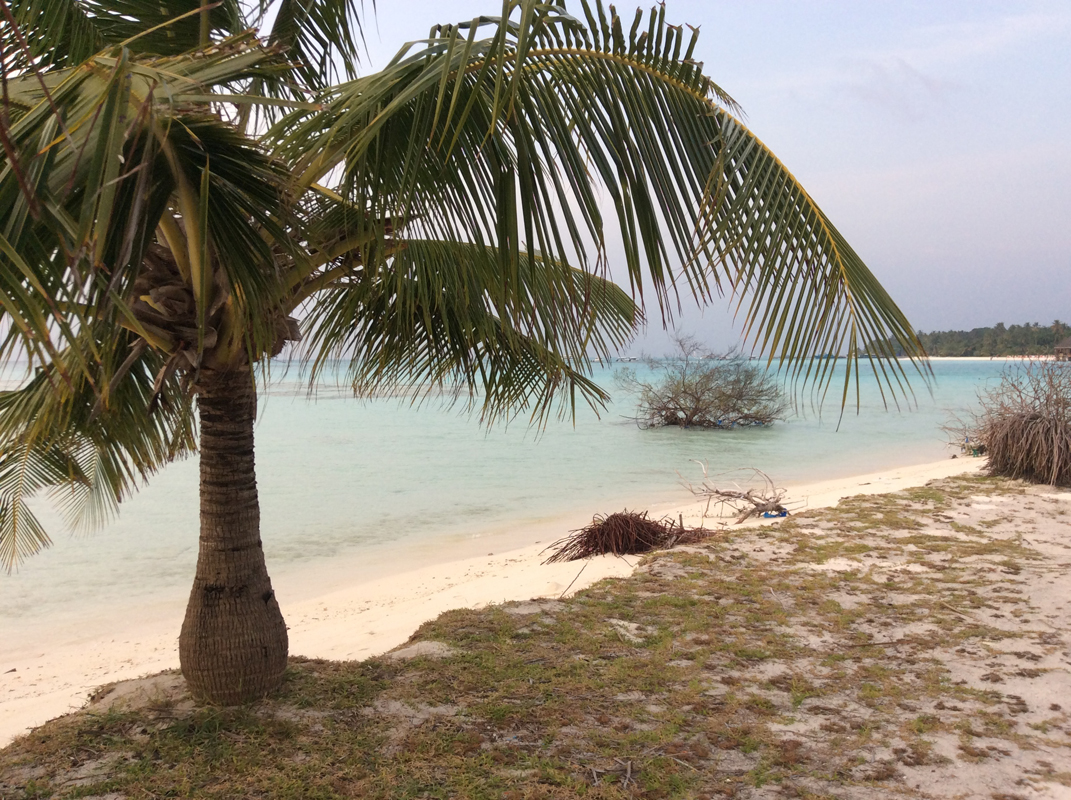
(1063, 350)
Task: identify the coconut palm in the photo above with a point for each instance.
(184, 191)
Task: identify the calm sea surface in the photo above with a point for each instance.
(339, 476)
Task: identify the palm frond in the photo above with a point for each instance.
(24, 471)
(320, 38)
(434, 317)
(104, 170)
(86, 450)
(64, 33)
(509, 140)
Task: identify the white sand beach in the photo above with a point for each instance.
(330, 618)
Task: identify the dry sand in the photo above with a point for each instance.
(360, 620)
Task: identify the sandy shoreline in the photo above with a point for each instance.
(989, 358)
(356, 620)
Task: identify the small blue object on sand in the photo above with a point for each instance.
(774, 514)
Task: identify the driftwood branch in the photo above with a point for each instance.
(745, 503)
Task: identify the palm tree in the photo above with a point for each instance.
(178, 190)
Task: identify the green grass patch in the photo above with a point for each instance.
(561, 704)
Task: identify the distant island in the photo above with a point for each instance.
(1028, 339)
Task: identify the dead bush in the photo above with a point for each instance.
(695, 388)
(1024, 425)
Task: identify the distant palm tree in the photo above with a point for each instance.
(181, 183)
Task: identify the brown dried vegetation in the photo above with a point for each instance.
(1024, 425)
(624, 533)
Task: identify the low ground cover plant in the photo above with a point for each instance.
(895, 646)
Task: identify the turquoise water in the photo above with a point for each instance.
(338, 477)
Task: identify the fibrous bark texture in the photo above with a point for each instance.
(233, 644)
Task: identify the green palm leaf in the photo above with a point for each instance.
(507, 141)
(26, 470)
(88, 450)
(434, 317)
(64, 33)
(104, 171)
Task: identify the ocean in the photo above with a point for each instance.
(345, 483)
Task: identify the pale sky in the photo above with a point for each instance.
(935, 135)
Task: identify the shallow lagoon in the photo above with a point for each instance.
(340, 477)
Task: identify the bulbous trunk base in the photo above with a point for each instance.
(233, 644)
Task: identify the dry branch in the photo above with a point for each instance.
(764, 499)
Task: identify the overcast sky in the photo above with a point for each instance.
(936, 136)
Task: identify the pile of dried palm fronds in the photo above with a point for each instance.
(626, 532)
(1024, 426)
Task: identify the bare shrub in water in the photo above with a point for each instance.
(698, 389)
(1025, 423)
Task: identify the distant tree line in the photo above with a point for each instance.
(1028, 339)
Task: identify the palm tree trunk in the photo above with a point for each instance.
(233, 643)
